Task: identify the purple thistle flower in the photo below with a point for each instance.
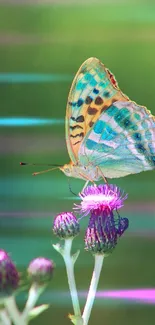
(9, 277)
(101, 197)
(40, 270)
(105, 225)
(103, 232)
(66, 225)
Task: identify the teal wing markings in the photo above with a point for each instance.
(121, 142)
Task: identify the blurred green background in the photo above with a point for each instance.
(42, 45)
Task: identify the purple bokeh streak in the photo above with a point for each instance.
(145, 296)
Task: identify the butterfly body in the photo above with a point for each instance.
(107, 134)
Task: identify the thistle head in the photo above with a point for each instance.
(105, 224)
(101, 197)
(66, 225)
(103, 231)
(9, 277)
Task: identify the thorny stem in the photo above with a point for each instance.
(93, 288)
(71, 279)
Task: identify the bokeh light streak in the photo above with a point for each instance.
(140, 296)
(28, 121)
(33, 77)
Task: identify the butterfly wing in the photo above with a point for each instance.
(121, 142)
(93, 90)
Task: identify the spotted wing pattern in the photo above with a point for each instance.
(121, 142)
(93, 90)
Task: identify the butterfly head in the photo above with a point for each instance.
(72, 170)
(67, 169)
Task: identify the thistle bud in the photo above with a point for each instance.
(9, 277)
(66, 225)
(40, 270)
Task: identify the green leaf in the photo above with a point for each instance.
(37, 311)
(58, 248)
(75, 256)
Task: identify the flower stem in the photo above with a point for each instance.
(71, 279)
(13, 311)
(93, 288)
(4, 318)
(34, 293)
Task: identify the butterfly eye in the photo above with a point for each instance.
(67, 170)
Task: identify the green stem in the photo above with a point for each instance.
(93, 288)
(34, 293)
(70, 275)
(4, 317)
(14, 313)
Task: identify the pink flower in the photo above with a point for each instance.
(100, 198)
(105, 224)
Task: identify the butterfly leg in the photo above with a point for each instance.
(104, 178)
(85, 185)
(87, 180)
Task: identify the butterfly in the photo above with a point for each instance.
(107, 134)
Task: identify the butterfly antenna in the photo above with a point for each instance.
(36, 164)
(44, 171)
(55, 166)
(71, 189)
